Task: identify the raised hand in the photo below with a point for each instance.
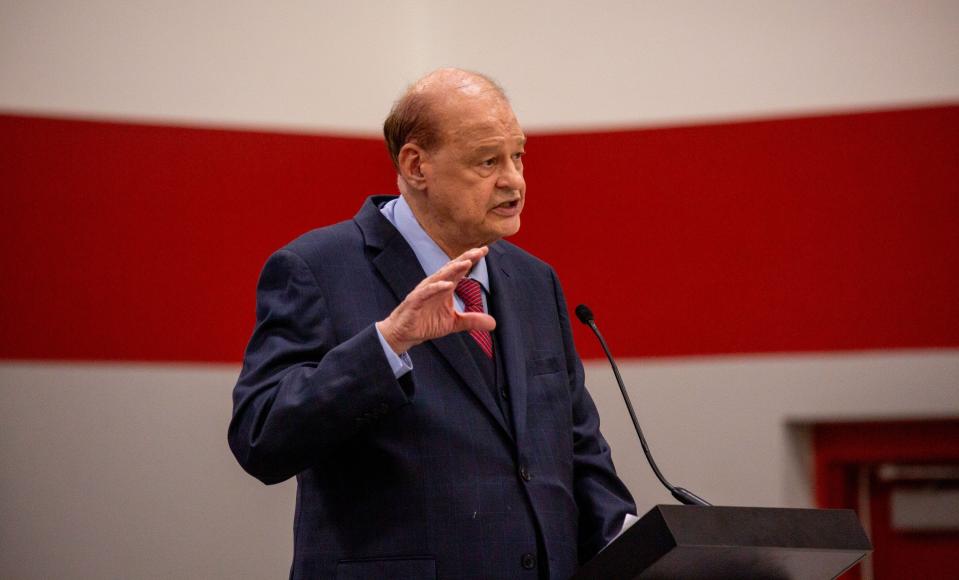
(427, 312)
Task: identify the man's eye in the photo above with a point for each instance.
(518, 156)
(489, 162)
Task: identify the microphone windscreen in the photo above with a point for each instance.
(584, 314)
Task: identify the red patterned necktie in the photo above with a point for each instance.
(471, 294)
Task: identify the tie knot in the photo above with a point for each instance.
(471, 294)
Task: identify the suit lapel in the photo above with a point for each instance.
(397, 264)
(455, 350)
(505, 298)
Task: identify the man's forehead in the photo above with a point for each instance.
(481, 119)
(491, 130)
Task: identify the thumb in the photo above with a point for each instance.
(474, 321)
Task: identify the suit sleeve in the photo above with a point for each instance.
(601, 497)
(301, 392)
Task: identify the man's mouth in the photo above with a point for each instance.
(507, 208)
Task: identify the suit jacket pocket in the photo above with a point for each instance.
(396, 568)
(545, 365)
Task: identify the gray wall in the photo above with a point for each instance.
(123, 471)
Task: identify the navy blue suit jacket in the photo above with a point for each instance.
(420, 477)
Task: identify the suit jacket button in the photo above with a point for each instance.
(504, 394)
(529, 561)
(525, 474)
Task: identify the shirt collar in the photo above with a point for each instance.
(427, 252)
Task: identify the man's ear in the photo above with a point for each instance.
(410, 160)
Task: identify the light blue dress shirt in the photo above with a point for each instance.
(431, 258)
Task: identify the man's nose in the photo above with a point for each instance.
(511, 177)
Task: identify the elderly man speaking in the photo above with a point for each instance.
(418, 376)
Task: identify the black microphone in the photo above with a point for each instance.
(684, 496)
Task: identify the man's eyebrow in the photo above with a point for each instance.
(490, 147)
(495, 147)
(487, 149)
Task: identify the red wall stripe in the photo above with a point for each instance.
(135, 242)
(144, 243)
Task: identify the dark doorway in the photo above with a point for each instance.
(902, 478)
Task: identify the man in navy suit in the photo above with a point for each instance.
(418, 376)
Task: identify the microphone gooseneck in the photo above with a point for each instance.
(585, 315)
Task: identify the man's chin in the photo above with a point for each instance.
(501, 228)
(511, 228)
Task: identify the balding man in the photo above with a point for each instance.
(418, 376)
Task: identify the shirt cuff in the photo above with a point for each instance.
(399, 363)
(628, 522)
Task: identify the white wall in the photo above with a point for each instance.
(732, 428)
(573, 64)
(292, 65)
(123, 471)
(337, 65)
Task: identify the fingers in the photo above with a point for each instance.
(431, 289)
(459, 266)
(428, 311)
(474, 255)
(452, 271)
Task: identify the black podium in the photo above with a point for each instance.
(678, 542)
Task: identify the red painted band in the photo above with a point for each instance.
(135, 242)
